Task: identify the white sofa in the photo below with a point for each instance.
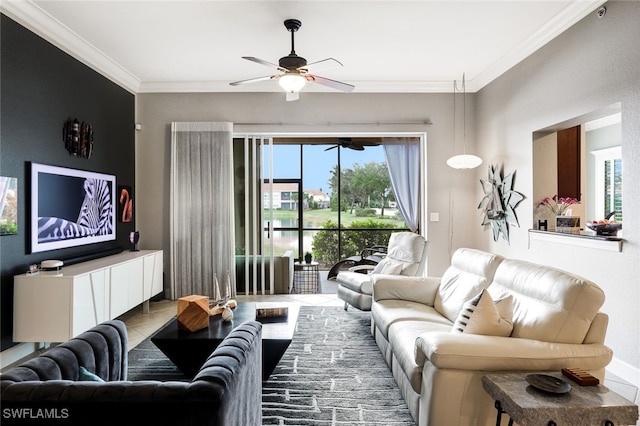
(554, 322)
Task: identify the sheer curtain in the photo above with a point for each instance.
(403, 161)
(202, 241)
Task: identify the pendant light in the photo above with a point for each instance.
(464, 160)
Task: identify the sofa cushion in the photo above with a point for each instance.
(388, 266)
(470, 271)
(387, 312)
(402, 338)
(481, 315)
(87, 376)
(549, 305)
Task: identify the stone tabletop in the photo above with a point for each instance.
(582, 405)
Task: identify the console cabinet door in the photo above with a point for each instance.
(153, 275)
(118, 292)
(90, 300)
(42, 309)
(136, 293)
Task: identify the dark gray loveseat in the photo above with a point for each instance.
(45, 390)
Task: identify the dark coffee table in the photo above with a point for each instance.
(189, 350)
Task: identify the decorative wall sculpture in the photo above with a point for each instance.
(125, 204)
(499, 202)
(78, 138)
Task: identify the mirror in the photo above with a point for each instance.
(579, 161)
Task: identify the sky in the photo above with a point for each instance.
(317, 162)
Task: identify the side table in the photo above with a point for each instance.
(581, 406)
(305, 277)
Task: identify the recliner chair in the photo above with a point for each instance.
(406, 255)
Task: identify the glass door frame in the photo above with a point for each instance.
(271, 229)
(268, 137)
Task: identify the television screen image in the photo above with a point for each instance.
(70, 207)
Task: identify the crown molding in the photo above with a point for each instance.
(32, 17)
(269, 86)
(569, 16)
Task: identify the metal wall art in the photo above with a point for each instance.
(499, 202)
(78, 138)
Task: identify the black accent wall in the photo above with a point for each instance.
(41, 87)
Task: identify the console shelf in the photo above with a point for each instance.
(57, 306)
(583, 240)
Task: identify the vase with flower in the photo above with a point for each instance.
(560, 207)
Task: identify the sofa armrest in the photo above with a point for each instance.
(461, 351)
(400, 287)
(363, 269)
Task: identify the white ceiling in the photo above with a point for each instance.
(385, 46)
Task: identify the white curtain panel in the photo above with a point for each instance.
(403, 161)
(202, 221)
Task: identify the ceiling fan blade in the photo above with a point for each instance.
(354, 147)
(265, 63)
(338, 85)
(325, 64)
(293, 96)
(254, 80)
(331, 147)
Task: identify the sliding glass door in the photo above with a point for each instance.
(328, 196)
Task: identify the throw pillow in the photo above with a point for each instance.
(481, 315)
(87, 376)
(388, 266)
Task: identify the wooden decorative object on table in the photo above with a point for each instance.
(193, 312)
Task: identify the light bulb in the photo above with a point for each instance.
(292, 82)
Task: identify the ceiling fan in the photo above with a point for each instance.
(356, 145)
(295, 72)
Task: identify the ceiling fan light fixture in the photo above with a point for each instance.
(292, 82)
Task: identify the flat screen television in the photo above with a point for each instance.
(70, 207)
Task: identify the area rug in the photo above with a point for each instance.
(333, 374)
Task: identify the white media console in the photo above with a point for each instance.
(56, 306)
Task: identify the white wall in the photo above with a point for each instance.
(594, 64)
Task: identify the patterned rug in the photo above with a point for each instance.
(333, 374)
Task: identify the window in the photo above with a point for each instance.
(608, 182)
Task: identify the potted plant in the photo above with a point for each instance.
(559, 207)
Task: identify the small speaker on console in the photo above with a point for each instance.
(51, 267)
